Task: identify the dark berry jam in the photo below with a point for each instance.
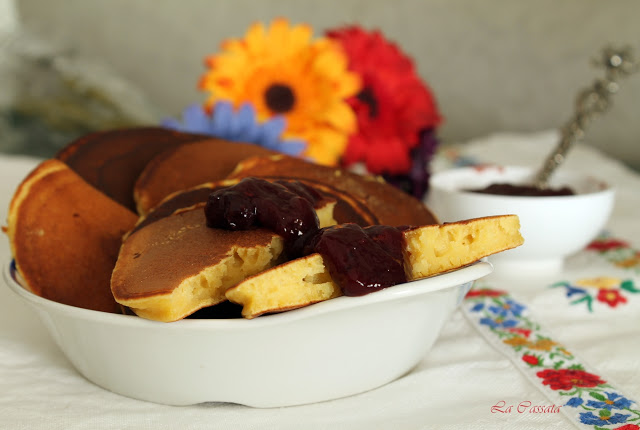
(523, 190)
(360, 260)
(287, 208)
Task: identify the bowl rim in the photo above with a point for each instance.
(436, 178)
(422, 286)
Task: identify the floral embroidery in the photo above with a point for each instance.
(588, 397)
(606, 290)
(521, 331)
(485, 292)
(498, 322)
(567, 379)
(604, 418)
(611, 297)
(616, 251)
(612, 400)
(532, 360)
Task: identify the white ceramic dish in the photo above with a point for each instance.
(325, 351)
(553, 227)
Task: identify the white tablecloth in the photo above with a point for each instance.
(472, 373)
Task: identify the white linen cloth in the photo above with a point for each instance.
(455, 387)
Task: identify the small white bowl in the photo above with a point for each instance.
(328, 350)
(553, 227)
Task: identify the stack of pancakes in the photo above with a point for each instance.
(116, 219)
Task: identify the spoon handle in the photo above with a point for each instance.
(590, 103)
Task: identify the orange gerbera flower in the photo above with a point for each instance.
(282, 70)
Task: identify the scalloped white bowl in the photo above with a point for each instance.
(553, 227)
(332, 349)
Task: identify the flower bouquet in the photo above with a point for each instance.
(349, 98)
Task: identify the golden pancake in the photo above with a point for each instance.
(65, 236)
(429, 250)
(187, 166)
(112, 160)
(177, 265)
(388, 204)
(172, 264)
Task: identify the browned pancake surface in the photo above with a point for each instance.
(388, 204)
(65, 236)
(197, 197)
(112, 160)
(179, 200)
(189, 165)
(156, 259)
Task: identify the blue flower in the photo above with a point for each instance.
(237, 126)
(614, 400)
(477, 307)
(575, 402)
(495, 323)
(510, 307)
(591, 418)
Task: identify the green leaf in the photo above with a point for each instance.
(628, 286)
(597, 396)
(585, 298)
(557, 365)
(560, 284)
(576, 367)
(605, 413)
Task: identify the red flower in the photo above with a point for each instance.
(531, 359)
(628, 427)
(566, 379)
(607, 244)
(523, 331)
(393, 107)
(611, 297)
(485, 292)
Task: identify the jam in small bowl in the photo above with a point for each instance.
(555, 223)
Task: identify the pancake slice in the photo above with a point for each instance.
(291, 285)
(429, 250)
(177, 265)
(440, 248)
(187, 166)
(65, 236)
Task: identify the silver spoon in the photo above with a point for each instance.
(590, 103)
